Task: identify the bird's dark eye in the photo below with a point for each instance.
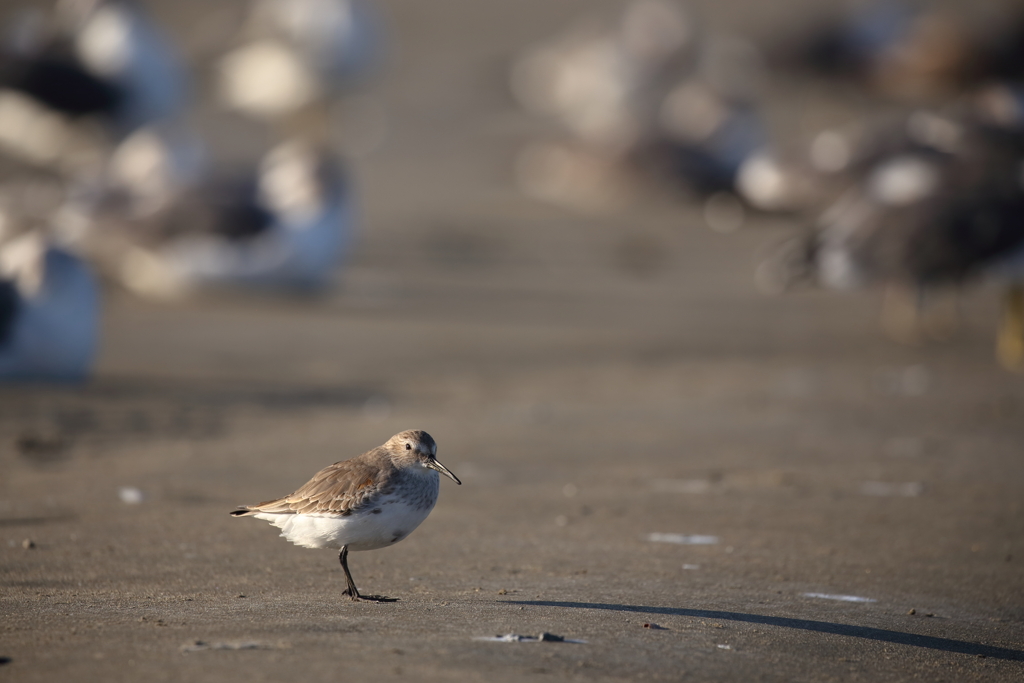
(408, 447)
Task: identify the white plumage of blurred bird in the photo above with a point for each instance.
(296, 54)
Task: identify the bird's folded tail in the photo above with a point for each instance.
(278, 505)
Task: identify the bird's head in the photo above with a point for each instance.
(414, 448)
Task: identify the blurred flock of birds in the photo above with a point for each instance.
(919, 191)
(103, 175)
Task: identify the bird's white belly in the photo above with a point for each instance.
(365, 530)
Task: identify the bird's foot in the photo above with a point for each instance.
(376, 598)
(357, 597)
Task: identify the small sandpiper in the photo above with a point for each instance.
(371, 501)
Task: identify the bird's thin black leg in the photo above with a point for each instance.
(351, 591)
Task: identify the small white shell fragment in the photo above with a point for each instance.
(130, 495)
(683, 539)
(841, 598)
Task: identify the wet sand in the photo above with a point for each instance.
(586, 402)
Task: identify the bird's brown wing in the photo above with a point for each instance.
(339, 489)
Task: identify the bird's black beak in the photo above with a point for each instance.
(435, 465)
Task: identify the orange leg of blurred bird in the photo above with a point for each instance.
(1010, 340)
(901, 313)
(913, 315)
(940, 314)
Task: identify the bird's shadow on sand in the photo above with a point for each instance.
(866, 632)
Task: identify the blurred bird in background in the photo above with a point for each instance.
(645, 94)
(292, 58)
(49, 310)
(908, 51)
(928, 206)
(282, 226)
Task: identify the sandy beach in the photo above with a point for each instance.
(699, 481)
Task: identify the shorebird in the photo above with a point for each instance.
(368, 502)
